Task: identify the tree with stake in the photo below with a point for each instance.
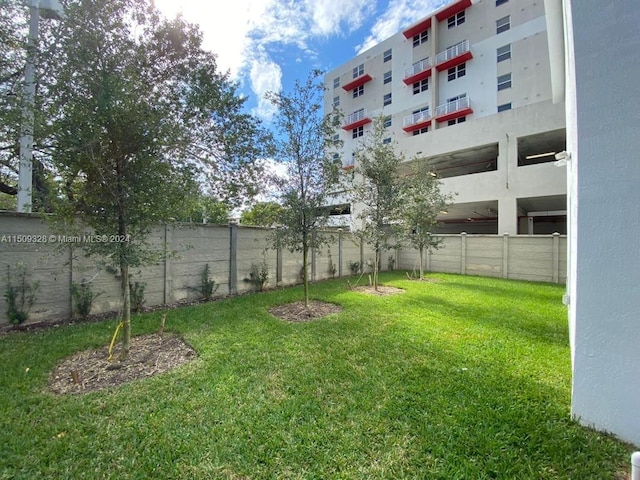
(424, 202)
(139, 112)
(377, 191)
(311, 172)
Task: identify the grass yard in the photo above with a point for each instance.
(460, 378)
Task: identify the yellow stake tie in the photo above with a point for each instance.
(113, 340)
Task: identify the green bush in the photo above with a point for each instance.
(207, 285)
(20, 296)
(83, 298)
(136, 293)
(259, 275)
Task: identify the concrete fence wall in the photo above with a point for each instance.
(231, 250)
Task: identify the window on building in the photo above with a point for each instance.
(500, 2)
(420, 130)
(357, 132)
(336, 156)
(455, 20)
(503, 24)
(420, 38)
(503, 53)
(504, 107)
(386, 141)
(358, 91)
(421, 86)
(336, 82)
(336, 101)
(457, 71)
(456, 98)
(359, 70)
(386, 100)
(504, 81)
(336, 138)
(387, 121)
(386, 56)
(387, 77)
(457, 120)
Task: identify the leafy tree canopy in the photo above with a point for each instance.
(265, 214)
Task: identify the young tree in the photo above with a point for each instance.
(311, 171)
(424, 201)
(138, 113)
(377, 192)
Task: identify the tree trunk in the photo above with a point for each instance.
(126, 312)
(421, 263)
(305, 275)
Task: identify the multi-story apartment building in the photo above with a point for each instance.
(467, 88)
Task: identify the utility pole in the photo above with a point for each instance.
(49, 9)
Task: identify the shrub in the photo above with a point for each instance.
(391, 263)
(355, 268)
(136, 293)
(83, 298)
(21, 296)
(259, 275)
(208, 286)
(332, 268)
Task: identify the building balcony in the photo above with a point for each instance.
(417, 121)
(455, 7)
(356, 82)
(452, 56)
(356, 119)
(454, 109)
(417, 28)
(418, 71)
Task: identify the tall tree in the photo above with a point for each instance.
(377, 192)
(304, 135)
(424, 202)
(138, 111)
(264, 214)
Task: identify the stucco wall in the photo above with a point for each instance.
(604, 220)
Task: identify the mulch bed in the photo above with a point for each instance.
(297, 312)
(92, 370)
(381, 291)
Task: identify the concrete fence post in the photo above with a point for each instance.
(314, 258)
(505, 255)
(233, 258)
(463, 253)
(166, 272)
(278, 262)
(556, 258)
(340, 253)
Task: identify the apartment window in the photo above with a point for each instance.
(503, 24)
(420, 130)
(336, 82)
(457, 71)
(386, 100)
(457, 120)
(387, 121)
(456, 98)
(336, 101)
(503, 53)
(455, 20)
(359, 70)
(504, 81)
(386, 56)
(500, 2)
(336, 156)
(336, 138)
(357, 132)
(421, 38)
(504, 107)
(358, 91)
(421, 86)
(387, 77)
(386, 141)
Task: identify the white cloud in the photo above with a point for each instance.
(241, 32)
(265, 76)
(399, 14)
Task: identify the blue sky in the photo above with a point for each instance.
(268, 44)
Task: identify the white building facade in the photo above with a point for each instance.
(467, 88)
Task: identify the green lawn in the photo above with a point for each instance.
(463, 378)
